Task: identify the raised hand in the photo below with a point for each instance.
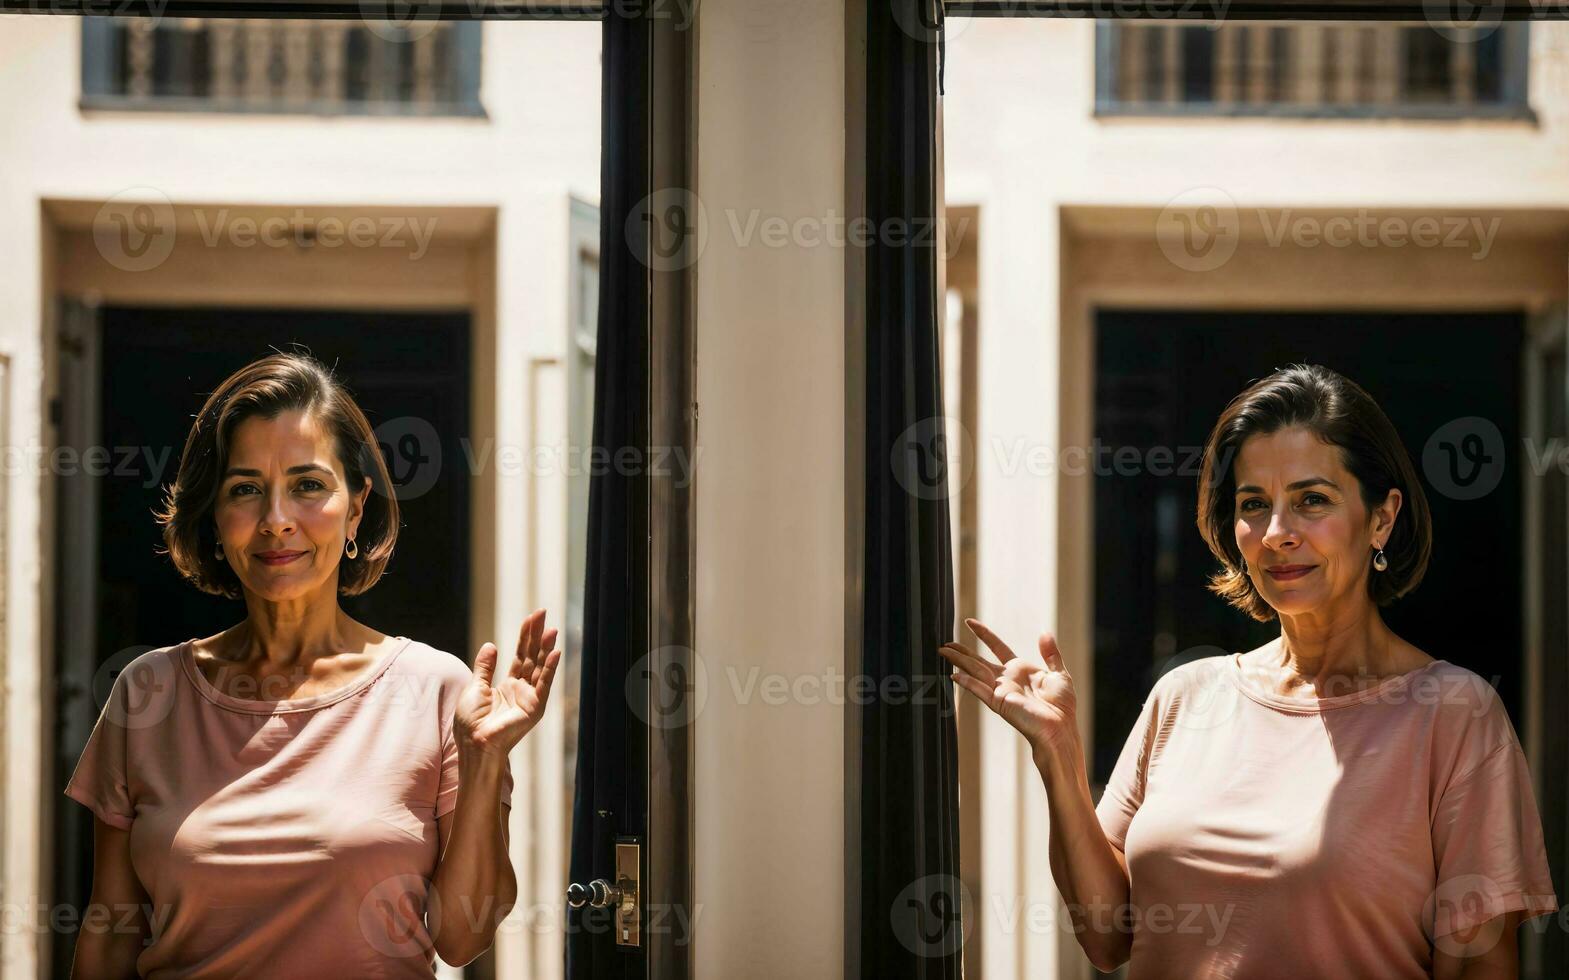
(493, 715)
(1035, 698)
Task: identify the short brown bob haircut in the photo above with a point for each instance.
(267, 388)
(1341, 414)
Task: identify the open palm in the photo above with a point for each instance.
(494, 714)
(1035, 698)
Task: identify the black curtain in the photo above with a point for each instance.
(912, 903)
(612, 784)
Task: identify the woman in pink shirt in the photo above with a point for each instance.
(1335, 804)
(299, 795)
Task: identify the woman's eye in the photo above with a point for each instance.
(309, 484)
(1247, 505)
(1315, 500)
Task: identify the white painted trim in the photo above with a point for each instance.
(769, 508)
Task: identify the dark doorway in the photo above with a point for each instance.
(1161, 380)
(154, 368)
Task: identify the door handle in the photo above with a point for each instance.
(624, 896)
(599, 894)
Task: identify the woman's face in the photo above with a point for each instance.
(284, 511)
(1301, 524)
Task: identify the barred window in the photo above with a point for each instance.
(1328, 69)
(282, 66)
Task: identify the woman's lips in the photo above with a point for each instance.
(279, 560)
(1286, 572)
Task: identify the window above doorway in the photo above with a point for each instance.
(318, 67)
(1332, 69)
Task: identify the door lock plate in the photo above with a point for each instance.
(629, 865)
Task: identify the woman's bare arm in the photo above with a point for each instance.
(1037, 699)
(1090, 872)
(475, 885)
(115, 925)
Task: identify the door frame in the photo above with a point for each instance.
(1545, 738)
(672, 422)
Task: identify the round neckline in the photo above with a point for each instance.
(255, 706)
(1382, 688)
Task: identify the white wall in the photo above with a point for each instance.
(1020, 97)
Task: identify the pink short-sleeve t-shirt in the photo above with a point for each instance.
(287, 838)
(1346, 836)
